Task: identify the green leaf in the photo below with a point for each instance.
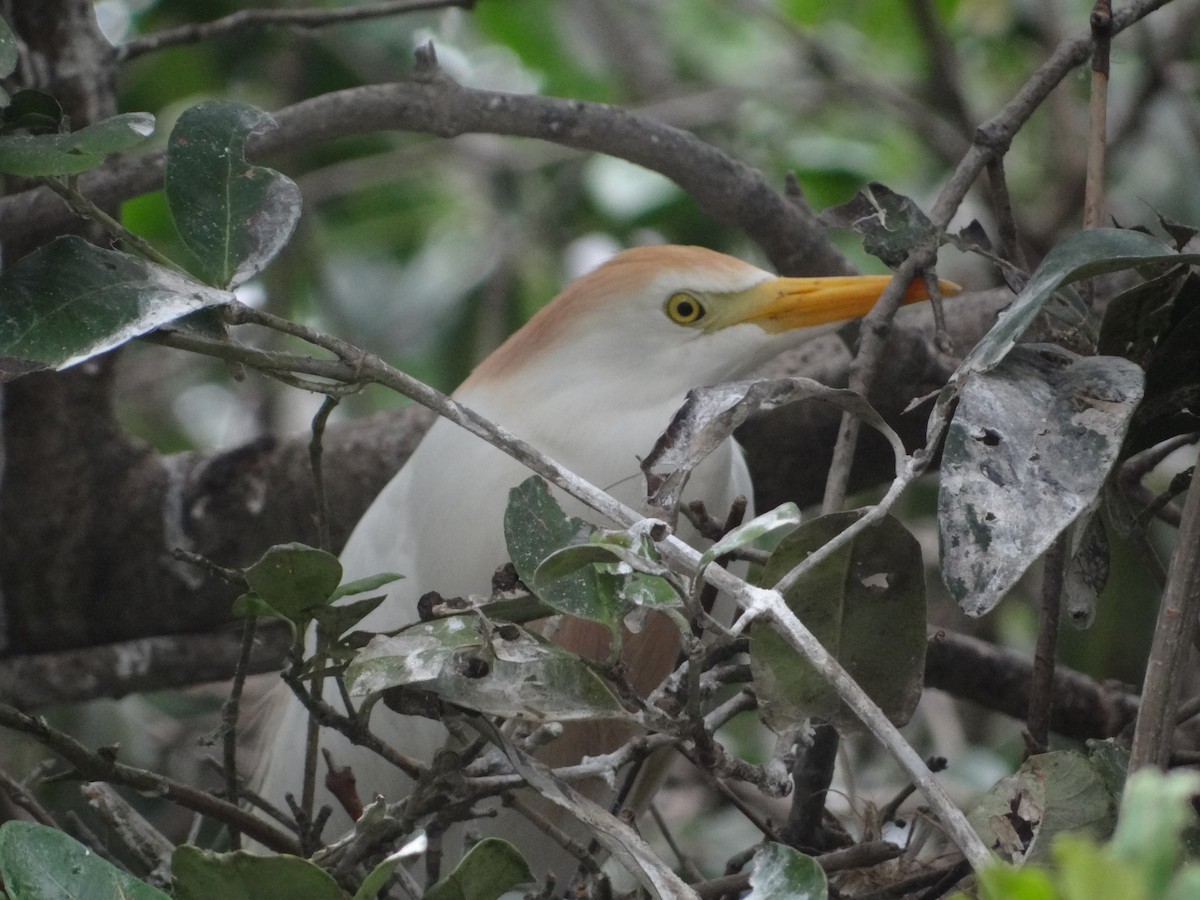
(251, 606)
(295, 579)
(1005, 882)
(69, 154)
(1030, 446)
(624, 577)
(535, 527)
(9, 52)
(865, 604)
(502, 670)
(233, 216)
(362, 585)
(41, 863)
(204, 875)
(1154, 811)
(491, 868)
(780, 871)
(70, 301)
(781, 519)
(1087, 872)
(1081, 255)
(1185, 885)
(334, 621)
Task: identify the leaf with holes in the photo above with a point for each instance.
(865, 604)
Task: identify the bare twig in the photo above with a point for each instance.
(1172, 638)
(102, 767)
(254, 19)
(1101, 24)
(22, 799)
(316, 450)
(1041, 689)
(230, 711)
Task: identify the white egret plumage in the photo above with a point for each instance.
(591, 381)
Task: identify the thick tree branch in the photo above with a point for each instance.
(431, 103)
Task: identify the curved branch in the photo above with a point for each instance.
(432, 103)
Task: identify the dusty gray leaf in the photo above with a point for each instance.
(1028, 451)
(711, 414)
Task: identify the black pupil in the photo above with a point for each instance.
(685, 309)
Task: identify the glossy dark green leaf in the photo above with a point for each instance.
(295, 579)
(70, 301)
(232, 215)
(41, 863)
(865, 604)
(535, 527)
(1081, 255)
(491, 868)
(69, 154)
(203, 875)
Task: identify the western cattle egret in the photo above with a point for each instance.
(591, 381)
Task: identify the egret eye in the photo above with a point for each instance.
(684, 309)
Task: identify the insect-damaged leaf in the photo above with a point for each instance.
(891, 224)
(1051, 793)
(233, 216)
(1029, 448)
(865, 604)
(498, 670)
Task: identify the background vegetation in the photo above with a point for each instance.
(431, 231)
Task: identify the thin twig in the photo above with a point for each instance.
(1041, 688)
(101, 767)
(86, 209)
(230, 711)
(1172, 639)
(316, 450)
(1093, 203)
(21, 798)
(255, 19)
